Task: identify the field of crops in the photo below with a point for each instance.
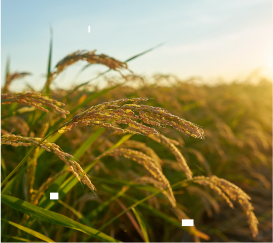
(132, 159)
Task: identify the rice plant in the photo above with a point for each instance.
(142, 168)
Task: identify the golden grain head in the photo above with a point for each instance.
(158, 184)
(91, 57)
(131, 115)
(143, 148)
(147, 162)
(36, 100)
(13, 76)
(227, 189)
(205, 181)
(108, 114)
(68, 159)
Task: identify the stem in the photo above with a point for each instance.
(28, 154)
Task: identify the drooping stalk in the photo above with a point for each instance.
(28, 154)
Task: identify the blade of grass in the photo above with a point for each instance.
(142, 225)
(3, 168)
(131, 218)
(29, 231)
(88, 142)
(51, 217)
(46, 89)
(10, 184)
(16, 238)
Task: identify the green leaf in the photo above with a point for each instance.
(12, 108)
(142, 225)
(52, 217)
(121, 141)
(3, 168)
(29, 231)
(16, 238)
(10, 184)
(144, 52)
(47, 84)
(88, 143)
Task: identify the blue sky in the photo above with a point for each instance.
(207, 38)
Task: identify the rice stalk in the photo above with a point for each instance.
(228, 191)
(88, 56)
(147, 162)
(101, 74)
(69, 160)
(158, 184)
(248, 168)
(143, 148)
(36, 100)
(118, 112)
(16, 124)
(12, 76)
(175, 151)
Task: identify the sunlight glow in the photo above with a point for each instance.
(271, 65)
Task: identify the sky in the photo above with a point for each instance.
(206, 38)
